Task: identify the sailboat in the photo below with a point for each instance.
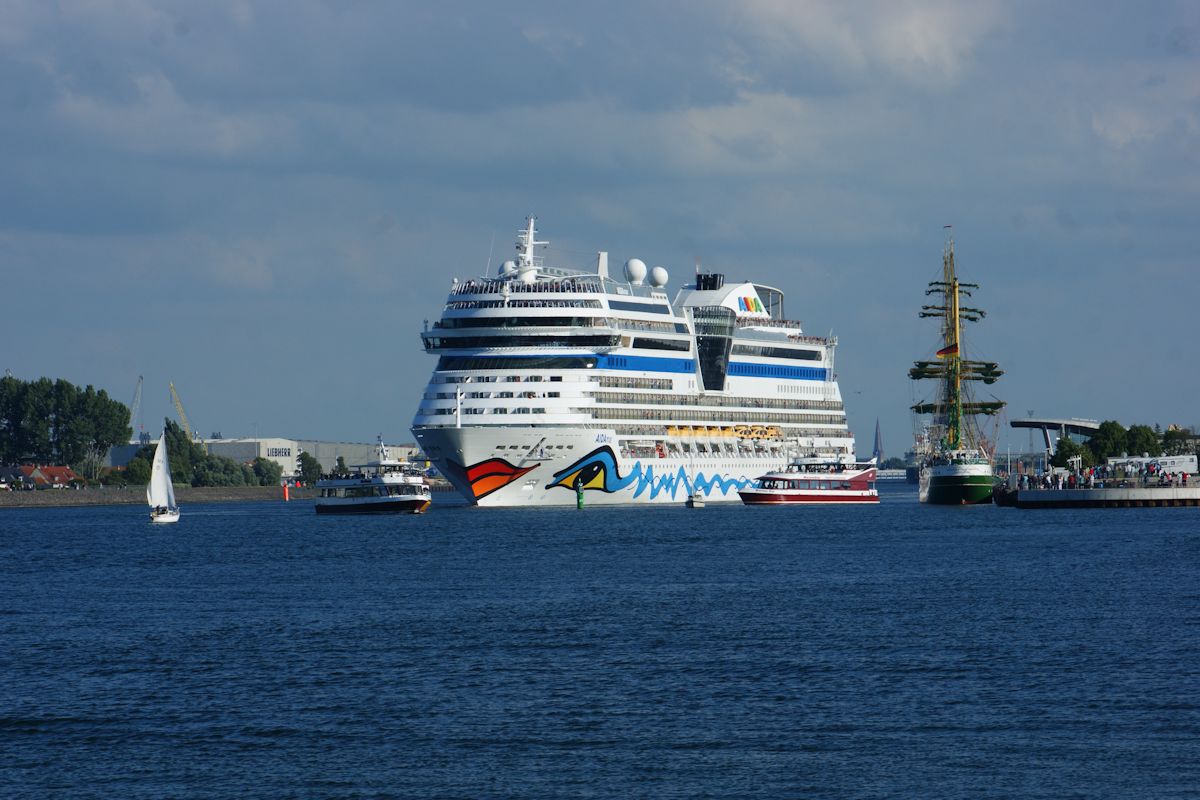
(160, 494)
(957, 468)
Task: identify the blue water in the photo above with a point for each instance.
(898, 651)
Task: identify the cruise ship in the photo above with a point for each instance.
(557, 384)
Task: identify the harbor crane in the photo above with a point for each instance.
(183, 420)
(135, 419)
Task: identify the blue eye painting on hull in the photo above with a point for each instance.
(596, 470)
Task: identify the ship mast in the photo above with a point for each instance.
(953, 347)
(951, 368)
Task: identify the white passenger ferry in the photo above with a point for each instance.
(815, 481)
(385, 485)
(551, 380)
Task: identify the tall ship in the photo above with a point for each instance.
(555, 382)
(956, 467)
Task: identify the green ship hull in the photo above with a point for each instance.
(958, 490)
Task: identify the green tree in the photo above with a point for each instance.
(1143, 439)
(1068, 449)
(100, 423)
(310, 468)
(268, 472)
(10, 393)
(66, 423)
(214, 470)
(1111, 440)
(34, 413)
(1178, 442)
(182, 452)
(340, 469)
(56, 422)
(138, 470)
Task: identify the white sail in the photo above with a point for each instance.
(160, 492)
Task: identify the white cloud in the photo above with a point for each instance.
(927, 43)
(160, 122)
(1127, 108)
(244, 265)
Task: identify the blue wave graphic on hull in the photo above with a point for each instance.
(598, 471)
(646, 479)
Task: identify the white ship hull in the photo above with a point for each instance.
(493, 466)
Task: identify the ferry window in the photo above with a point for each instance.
(556, 378)
(539, 411)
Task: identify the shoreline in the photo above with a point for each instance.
(136, 495)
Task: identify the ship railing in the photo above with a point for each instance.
(565, 286)
(751, 322)
(585, 284)
(576, 322)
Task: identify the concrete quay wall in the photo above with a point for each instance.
(1149, 497)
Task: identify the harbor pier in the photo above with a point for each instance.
(1131, 497)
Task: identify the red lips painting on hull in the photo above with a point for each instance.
(487, 476)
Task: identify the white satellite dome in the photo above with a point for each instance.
(508, 267)
(659, 277)
(635, 271)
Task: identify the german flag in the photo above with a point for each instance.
(952, 350)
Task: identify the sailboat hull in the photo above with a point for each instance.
(165, 517)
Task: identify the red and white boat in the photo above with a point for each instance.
(815, 480)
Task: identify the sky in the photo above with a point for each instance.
(263, 201)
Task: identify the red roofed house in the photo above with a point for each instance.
(51, 477)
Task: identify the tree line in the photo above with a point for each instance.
(192, 466)
(1114, 439)
(56, 422)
